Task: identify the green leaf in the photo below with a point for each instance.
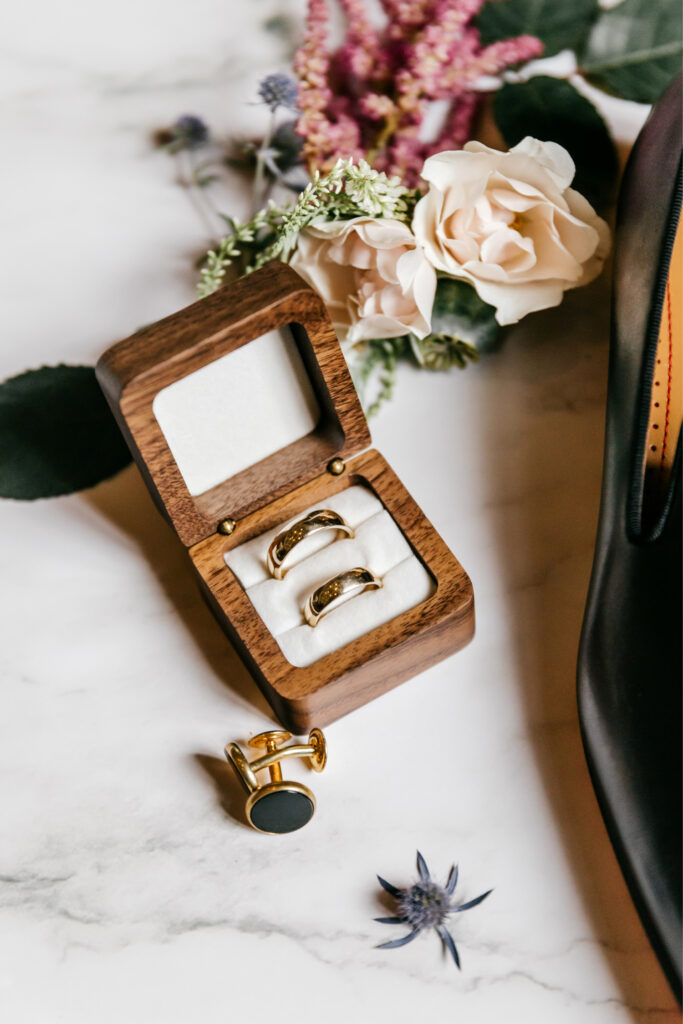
(634, 49)
(440, 352)
(57, 434)
(559, 24)
(459, 313)
(553, 110)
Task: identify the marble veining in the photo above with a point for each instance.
(130, 888)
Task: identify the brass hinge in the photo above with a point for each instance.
(336, 467)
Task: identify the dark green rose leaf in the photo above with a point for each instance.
(634, 49)
(459, 313)
(552, 110)
(57, 433)
(558, 24)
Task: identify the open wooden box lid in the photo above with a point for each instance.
(184, 401)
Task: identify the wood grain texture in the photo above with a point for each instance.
(132, 373)
(279, 487)
(370, 665)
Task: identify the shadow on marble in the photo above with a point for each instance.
(125, 502)
(230, 794)
(548, 386)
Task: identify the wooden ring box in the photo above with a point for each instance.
(280, 486)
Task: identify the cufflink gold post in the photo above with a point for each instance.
(277, 806)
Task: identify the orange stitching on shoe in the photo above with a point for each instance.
(668, 383)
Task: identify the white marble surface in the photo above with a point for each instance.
(129, 891)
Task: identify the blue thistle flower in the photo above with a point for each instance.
(191, 131)
(426, 904)
(278, 90)
(188, 132)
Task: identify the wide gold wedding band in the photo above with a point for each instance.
(337, 591)
(287, 540)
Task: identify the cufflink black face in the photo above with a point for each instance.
(277, 806)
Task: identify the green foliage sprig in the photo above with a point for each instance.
(242, 240)
(348, 190)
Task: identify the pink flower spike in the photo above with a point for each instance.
(370, 96)
(377, 107)
(508, 52)
(361, 30)
(358, 55)
(311, 64)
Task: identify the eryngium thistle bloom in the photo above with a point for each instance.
(426, 904)
(278, 90)
(189, 132)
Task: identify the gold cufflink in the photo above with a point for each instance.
(277, 806)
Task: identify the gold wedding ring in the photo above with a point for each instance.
(337, 591)
(287, 540)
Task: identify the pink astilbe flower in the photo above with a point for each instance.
(362, 43)
(405, 14)
(370, 96)
(324, 124)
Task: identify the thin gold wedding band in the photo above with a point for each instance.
(337, 591)
(287, 540)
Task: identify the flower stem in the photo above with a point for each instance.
(198, 197)
(258, 192)
(390, 126)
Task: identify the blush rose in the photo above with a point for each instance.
(510, 225)
(372, 275)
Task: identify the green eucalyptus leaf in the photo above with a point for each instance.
(558, 24)
(459, 313)
(551, 109)
(57, 434)
(634, 49)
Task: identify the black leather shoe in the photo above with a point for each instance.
(629, 671)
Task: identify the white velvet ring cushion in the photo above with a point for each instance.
(248, 560)
(405, 586)
(378, 545)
